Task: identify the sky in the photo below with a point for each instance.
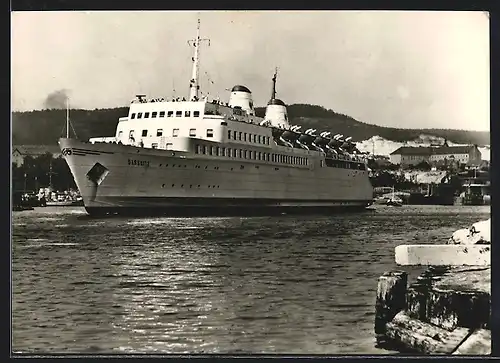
(398, 69)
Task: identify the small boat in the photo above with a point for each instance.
(65, 203)
(394, 201)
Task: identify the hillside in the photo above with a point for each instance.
(44, 127)
(322, 119)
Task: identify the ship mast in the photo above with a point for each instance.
(67, 117)
(50, 174)
(194, 86)
(273, 94)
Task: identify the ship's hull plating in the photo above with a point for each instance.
(129, 180)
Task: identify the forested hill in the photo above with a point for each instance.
(46, 126)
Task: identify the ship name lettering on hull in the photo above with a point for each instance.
(138, 162)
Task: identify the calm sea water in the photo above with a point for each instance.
(285, 284)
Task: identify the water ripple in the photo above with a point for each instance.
(284, 285)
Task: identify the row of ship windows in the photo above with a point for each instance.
(162, 114)
(191, 186)
(243, 136)
(235, 135)
(343, 164)
(159, 132)
(250, 155)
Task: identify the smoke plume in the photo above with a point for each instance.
(56, 100)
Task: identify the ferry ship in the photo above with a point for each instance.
(201, 156)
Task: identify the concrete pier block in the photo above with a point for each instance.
(443, 255)
(416, 300)
(450, 309)
(391, 291)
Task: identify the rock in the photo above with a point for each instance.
(478, 233)
(479, 343)
(423, 337)
(459, 236)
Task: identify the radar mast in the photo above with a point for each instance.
(194, 84)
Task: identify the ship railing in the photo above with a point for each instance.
(106, 139)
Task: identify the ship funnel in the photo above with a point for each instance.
(276, 109)
(276, 113)
(242, 97)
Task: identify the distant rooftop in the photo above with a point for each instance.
(36, 149)
(427, 151)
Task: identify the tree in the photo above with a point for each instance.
(423, 165)
(35, 173)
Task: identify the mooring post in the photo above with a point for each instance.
(391, 298)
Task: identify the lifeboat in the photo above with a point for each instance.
(322, 139)
(349, 146)
(291, 135)
(334, 143)
(308, 137)
(277, 132)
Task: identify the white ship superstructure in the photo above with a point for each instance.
(199, 155)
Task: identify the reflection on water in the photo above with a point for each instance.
(288, 284)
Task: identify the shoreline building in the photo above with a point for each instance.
(406, 155)
(20, 152)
